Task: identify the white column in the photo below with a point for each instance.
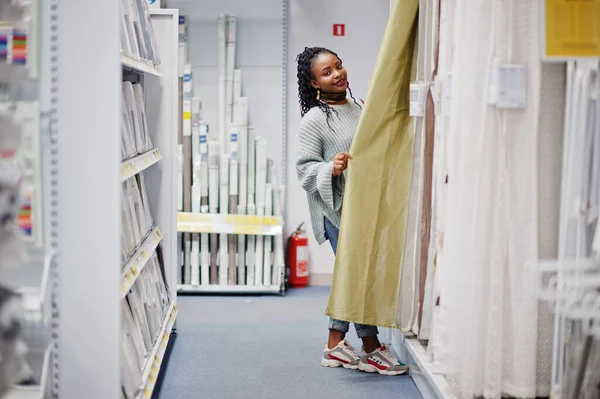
(89, 192)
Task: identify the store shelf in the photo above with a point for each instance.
(430, 384)
(25, 393)
(136, 65)
(229, 224)
(227, 289)
(135, 165)
(137, 262)
(155, 359)
(33, 391)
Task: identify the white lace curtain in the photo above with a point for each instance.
(498, 208)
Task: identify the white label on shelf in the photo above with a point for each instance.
(233, 144)
(203, 145)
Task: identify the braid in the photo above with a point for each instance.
(352, 96)
(307, 94)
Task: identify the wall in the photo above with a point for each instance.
(311, 24)
(258, 21)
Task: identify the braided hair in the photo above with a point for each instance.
(307, 94)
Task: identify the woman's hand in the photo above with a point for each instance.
(340, 163)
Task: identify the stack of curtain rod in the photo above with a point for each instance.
(229, 173)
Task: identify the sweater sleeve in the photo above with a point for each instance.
(314, 173)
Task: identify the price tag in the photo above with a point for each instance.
(247, 230)
(129, 277)
(271, 220)
(203, 228)
(134, 269)
(418, 94)
(570, 28)
(512, 87)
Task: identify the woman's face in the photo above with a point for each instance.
(329, 74)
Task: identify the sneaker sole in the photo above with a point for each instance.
(367, 368)
(335, 363)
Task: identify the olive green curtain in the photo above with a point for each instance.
(367, 272)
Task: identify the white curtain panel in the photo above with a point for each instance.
(437, 347)
(488, 309)
(408, 300)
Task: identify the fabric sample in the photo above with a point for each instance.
(367, 270)
(428, 182)
(425, 225)
(491, 226)
(408, 298)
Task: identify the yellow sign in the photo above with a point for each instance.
(572, 28)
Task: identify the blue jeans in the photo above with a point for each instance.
(362, 330)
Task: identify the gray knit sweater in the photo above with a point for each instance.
(318, 145)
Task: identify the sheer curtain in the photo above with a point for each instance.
(485, 332)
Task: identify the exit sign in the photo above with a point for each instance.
(339, 29)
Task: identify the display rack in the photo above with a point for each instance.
(133, 166)
(236, 225)
(93, 278)
(138, 65)
(570, 284)
(153, 366)
(240, 138)
(136, 264)
(229, 224)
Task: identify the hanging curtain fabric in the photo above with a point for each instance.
(367, 271)
(575, 373)
(433, 317)
(426, 264)
(409, 276)
(550, 149)
(490, 311)
(416, 244)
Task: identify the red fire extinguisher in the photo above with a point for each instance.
(297, 255)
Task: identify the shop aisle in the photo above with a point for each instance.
(263, 348)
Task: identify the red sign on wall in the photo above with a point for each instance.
(339, 29)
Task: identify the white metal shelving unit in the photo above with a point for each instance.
(133, 166)
(233, 224)
(264, 22)
(86, 192)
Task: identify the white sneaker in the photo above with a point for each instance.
(382, 361)
(343, 355)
